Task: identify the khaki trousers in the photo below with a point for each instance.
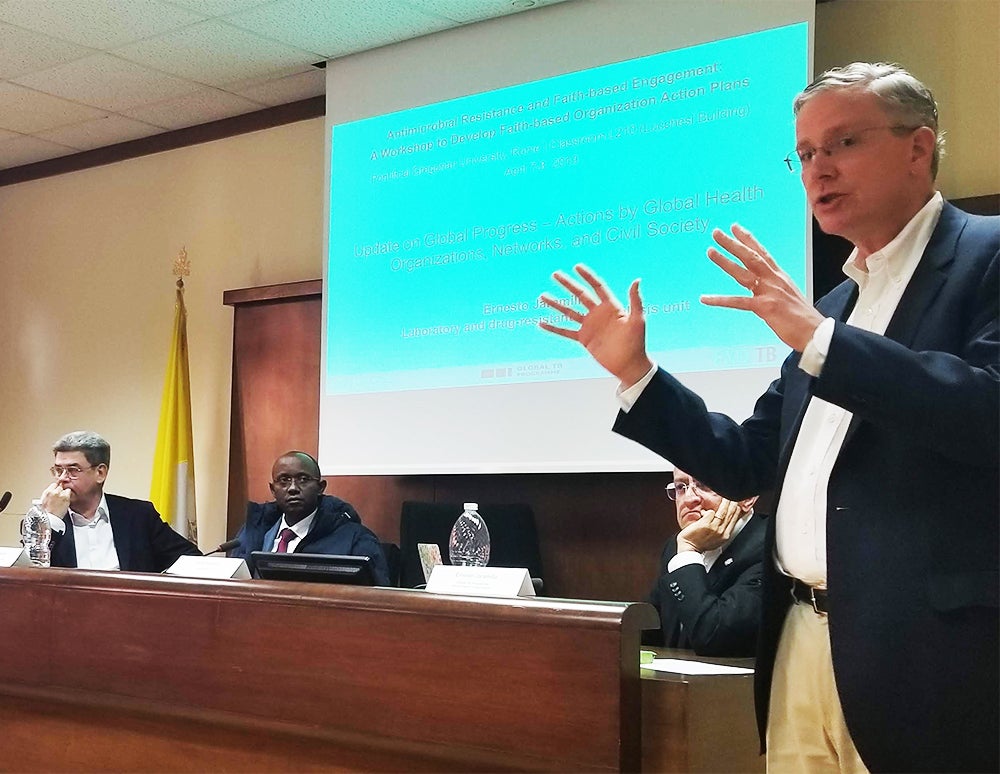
(806, 731)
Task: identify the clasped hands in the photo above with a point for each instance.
(616, 338)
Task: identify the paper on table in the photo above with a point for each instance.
(684, 667)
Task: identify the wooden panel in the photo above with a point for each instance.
(296, 290)
(312, 107)
(699, 723)
(161, 673)
(275, 392)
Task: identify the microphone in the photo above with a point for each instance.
(223, 547)
(4, 500)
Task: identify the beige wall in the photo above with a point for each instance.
(951, 45)
(87, 300)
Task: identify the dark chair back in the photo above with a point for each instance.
(391, 553)
(513, 536)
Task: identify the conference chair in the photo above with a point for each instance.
(513, 537)
(391, 553)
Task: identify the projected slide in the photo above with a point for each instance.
(447, 220)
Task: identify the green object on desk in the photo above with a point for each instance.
(646, 656)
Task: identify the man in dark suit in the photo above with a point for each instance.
(879, 639)
(709, 591)
(301, 519)
(98, 531)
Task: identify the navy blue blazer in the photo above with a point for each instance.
(336, 530)
(714, 613)
(144, 542)
(913, 503)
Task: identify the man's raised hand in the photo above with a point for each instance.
(615, 337)
(774, 298)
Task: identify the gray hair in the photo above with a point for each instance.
(900, 95)
(94, 447)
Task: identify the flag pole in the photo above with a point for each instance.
(172, 488)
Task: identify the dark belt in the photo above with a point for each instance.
(803, 592)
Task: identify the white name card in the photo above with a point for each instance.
(211, 567)
(481, 581)
(14, 557)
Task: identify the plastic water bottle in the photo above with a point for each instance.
(470, 540)
(36, 535)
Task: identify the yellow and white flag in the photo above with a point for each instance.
(172, 490)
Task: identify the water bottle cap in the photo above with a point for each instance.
(471, 506)
(37, 502)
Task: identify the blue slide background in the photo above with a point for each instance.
(446, 221)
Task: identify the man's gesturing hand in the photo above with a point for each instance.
(775, 299)
(615, 338)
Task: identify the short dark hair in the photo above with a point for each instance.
(305, 457)
(94, 447)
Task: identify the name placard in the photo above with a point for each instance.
(481, 581)
(14, 557)
(211, 567)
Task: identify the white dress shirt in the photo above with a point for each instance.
(95, 542)
(802, 507)
(300, 528)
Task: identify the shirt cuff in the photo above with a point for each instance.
(628, 396)
(57, 524)
(683, 559)
(814, 355)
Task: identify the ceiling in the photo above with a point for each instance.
(82, 74)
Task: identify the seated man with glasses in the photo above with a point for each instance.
(709, 590)
(96, 531)
(301, 519)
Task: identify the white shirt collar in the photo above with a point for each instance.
(900, 257)
(301, 527)
(79, 520)
(741, 523)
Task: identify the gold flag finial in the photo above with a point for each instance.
(182, 267)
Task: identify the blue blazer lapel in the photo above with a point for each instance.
(839, 302)
(924, 285)
(929, 276)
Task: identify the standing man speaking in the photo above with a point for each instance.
(879, 640)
